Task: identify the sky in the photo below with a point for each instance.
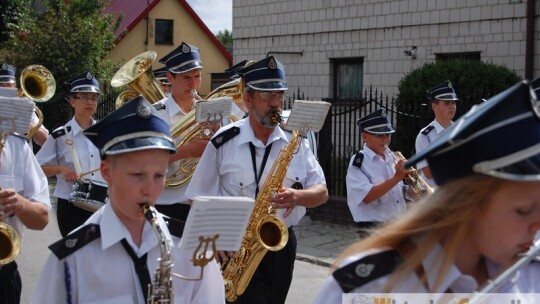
(216, 14)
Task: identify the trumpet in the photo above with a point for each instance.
(414, 180)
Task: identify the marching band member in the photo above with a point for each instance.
(161, 76)
(24, 203)
(7, 80)
(184, 73)
(375, 191)
(225, 169)
(483, 215)
(68, 151)
(111, 258)
(443, 100)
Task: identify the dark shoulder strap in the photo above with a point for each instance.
(176, 227)
(225, 136)
(358, 159)
(60, 132)
(367, 269)
(428, 129)
(75, 241)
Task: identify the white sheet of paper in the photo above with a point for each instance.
(213, 110)
(308, 115)
(226, 216)
(8, 92)
(15, 114)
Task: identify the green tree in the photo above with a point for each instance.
(70, 37)
(226, 39)
(11, 12)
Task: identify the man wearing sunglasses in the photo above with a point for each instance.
(375, 191)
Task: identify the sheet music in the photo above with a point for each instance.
(307, 115)
(213, 110)
(226, 216)
(8, 92)
(15, 114)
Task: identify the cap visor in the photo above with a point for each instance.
(141, 143)
(187, 67)
(380, 130)
(525, 170)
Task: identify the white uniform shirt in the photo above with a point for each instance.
(20, 171)
(102, 272)
(228, 171)
(55, 151)
(422, 141)
(359, 182)
(172, 114)
(523, 281)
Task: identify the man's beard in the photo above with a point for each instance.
(267, 120)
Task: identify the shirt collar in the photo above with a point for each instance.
(75, 128)
(438, 127)
(113, 231)
(247, 135)
(371, 154)
(172, 107)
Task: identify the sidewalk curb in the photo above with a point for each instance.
(313, 260)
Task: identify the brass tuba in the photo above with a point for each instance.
(10, 244)
(38, 84)
(138, 76)
(187, 126)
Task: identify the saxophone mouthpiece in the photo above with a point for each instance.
(195, 94)
(276, 117)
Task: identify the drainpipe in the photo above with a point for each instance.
(529, 40)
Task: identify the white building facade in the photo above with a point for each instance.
(335, 48)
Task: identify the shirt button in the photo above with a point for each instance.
(241, 185)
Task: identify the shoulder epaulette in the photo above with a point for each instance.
(358, 159)
(225, 136)
(367, 269)
(60, 132)
(20, 136)
(176, 227)
(428, 129)
(75, 241)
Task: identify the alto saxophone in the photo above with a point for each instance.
(264, 232)
(160, 290)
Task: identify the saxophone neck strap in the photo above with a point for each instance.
(263, 164)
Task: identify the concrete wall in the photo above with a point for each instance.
(309, 33)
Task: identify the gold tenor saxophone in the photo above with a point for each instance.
(160, 290)
(264, 231)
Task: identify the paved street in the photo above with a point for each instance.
(318, 245)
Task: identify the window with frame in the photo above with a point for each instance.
(348, 78)
(164, 31)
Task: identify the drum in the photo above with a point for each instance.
(88, 194)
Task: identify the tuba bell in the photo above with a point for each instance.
(10, 244)
(137, 75)
(38, 84)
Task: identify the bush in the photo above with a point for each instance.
(472, 81)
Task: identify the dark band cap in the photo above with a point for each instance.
(184, 58)
(376, 123)
(442, 91)
(86, 82)
(267, 74)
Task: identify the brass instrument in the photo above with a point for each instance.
(10, 244)
(188, 128)
(414, 180)
(124, 97)
(38, 84)
(492, 285)
(161, 289)
(138, 76)
(264, 232)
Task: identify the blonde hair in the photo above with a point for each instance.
(440, 218)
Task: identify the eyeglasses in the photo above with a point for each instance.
(91, 99)
(266, 96)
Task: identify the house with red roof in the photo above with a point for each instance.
(161, 26)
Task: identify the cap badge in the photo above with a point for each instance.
(143, 111)
(272, 64)
(4, 66)
(186, 48)
(449, 85)
(89, 76)
(383, 114)
(535, 103)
